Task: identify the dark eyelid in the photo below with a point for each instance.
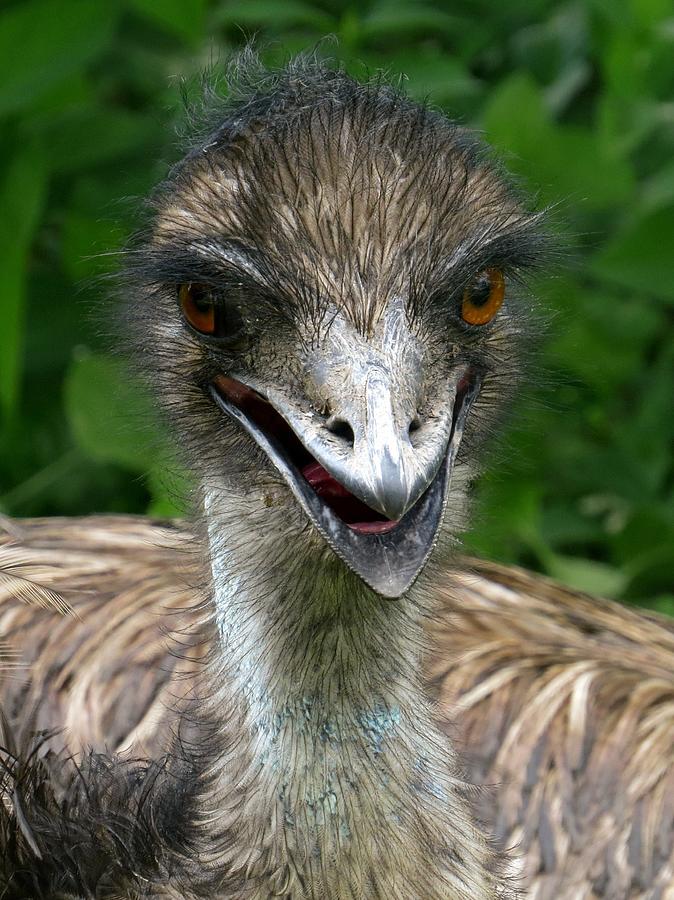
(218, 281)
(187, 266)
(218, 288)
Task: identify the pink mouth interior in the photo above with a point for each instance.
(352, 511)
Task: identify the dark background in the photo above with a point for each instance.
(578, 97)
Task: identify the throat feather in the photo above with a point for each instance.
(335, 768)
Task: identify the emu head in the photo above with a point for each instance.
(328, 302)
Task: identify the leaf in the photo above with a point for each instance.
(650, 12)
(185, 18)
(649, 527)
(22, 195)
(658, 191)
(111, 417)
(515, 115)
(651, 573)
(508, 517)
(89, 245)
(388, 21)
(44, 42)
(640, 257)
(603, 337)
(275, 14)
(586, 575)
(433, 75)
(663, 604)
(554, 48)
(81, 138)
(563, 524)
(515, 118)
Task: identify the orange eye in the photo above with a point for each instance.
(212, 314)
(483, 297)
(198, 307)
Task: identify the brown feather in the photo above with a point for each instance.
(561, 704)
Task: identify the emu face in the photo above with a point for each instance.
(331, 277)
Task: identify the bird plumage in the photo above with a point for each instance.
(340, 224)
(561, 705)
(327, 303)
(133, 825)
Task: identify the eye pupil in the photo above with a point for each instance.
(201, 302)
(208, 314)
(480, 292)
(483, 297)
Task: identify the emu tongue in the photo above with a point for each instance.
(356, 514)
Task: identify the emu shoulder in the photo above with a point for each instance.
(561, 705)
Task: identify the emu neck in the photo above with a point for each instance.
(336, 782)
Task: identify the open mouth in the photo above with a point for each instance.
(357, 515)
(387, 554)
(346, 506)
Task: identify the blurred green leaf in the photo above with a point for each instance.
(640, 257)
(647, 527)
(43, 42)
(89, 246)
(433, 75)
(563, 525)
(586, 575)
(516, 119)
(81, 138)
(658, 191)
(111, 417)
(275, 13)
(663, 604)
(515, 526)
(515, 116)
(603, 337)
(22, 193)
(650, 573)
(651, 12)
(556, 52)
(185, 18)
(389, 19)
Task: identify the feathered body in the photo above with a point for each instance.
(298, 305)
(183, 827)
(561, 707)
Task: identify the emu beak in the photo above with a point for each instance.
(382, 468)
(377, 503)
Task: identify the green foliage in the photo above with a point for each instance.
(113, 421)
(575, 95)
(111, 418)
(21, 197)
(43, 43)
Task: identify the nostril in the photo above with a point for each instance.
(414, 426)
(341, 429)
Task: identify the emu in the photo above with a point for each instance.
(328, 303)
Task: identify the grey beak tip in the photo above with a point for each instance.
(393, 489)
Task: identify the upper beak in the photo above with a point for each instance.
(385, 470)
(374, 457)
